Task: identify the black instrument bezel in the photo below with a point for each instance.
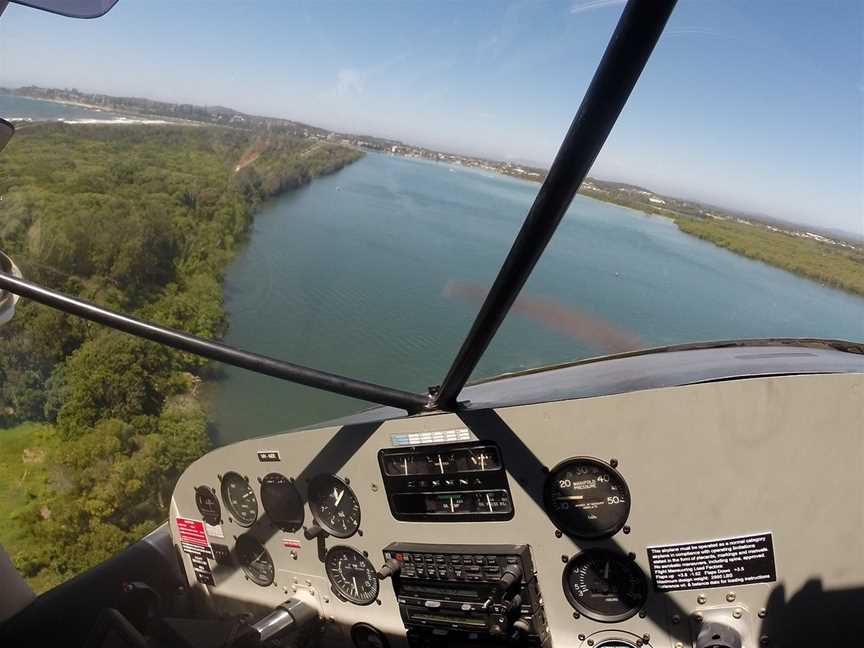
(295, 493)
(480, 482)
(589, 612)
(341, 595)
(247, 537)
(316, 514)
(210, 494)
(227, 501)
(580, 534)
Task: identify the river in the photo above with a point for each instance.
(355, 273)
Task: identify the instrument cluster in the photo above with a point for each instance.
(584, 497)
(335, 511)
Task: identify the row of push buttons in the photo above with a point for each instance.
(455, 566)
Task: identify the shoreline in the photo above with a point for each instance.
(746, 238)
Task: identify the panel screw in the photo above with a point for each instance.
(308, 583)
(736, 613)
(697, 617)
(326, 599)
(678, 644)
(646, 637)
(374, 488)
(626, 529)
(613, 463)
(576, 615)
(558, 533)
(763, 640)
(360, 532)
(590, 642)
(639, 643)
(581, 637)
(762, 613)
(564, 559)
(701, 599)
(676, 619)
(642, 614)
(347, 481)
(730, 596)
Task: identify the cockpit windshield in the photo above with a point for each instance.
(338, 185)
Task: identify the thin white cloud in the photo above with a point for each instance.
(350, 82)
(589, 5)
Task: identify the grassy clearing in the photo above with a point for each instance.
(25, 454)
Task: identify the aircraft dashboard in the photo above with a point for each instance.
(683, 516)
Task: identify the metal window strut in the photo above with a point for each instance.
(638, 30)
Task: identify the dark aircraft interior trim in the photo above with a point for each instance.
(654, 370)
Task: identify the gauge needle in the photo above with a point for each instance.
(606, 571)
(489, 502)
(356, 591)
(338, 496)
(482, 461)
(440, 464)
(405, 465)
(570, 497)
(451, 504)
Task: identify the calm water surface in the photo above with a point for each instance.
(351, 274)
(20, 108)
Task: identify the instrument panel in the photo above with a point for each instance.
(613, 513)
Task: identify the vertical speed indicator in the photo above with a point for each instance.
(586, 498)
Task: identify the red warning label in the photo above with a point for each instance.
(193, 537)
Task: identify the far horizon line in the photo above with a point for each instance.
(506, 160)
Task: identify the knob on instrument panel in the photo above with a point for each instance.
(390, 568)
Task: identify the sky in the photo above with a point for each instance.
(757, 106)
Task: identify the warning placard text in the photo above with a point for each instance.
(713, 563)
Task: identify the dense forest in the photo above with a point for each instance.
(97, 425)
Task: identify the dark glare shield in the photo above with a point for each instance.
(7, 130)
(71, 8)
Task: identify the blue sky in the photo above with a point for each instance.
(751, 105)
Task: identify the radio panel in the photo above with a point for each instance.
(485, 594)
(460, 482)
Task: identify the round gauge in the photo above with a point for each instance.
(334, 506)
(604, 585)
(282, 502)
(239, 499)
(208, 505)
(586, 498)
(351, 575)
(254, 560)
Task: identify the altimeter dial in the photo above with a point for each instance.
(351, 575)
